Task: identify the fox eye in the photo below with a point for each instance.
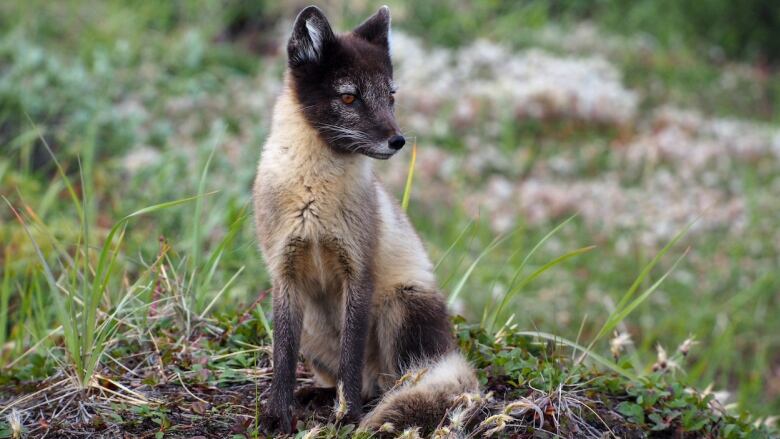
(347, 98)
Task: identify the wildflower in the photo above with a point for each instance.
(686, 345)
(311, 434)
(719, 397)
(521, 404)
(457, 417)
(618, 343)
(413, 377)
(663, 362)
(340, 410)
(410, 433)
(500, 420)
(387, 427)
(442, 433)
(15, 422)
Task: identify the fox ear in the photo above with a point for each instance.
(376, 29)
(311, 34)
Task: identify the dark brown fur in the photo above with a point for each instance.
(427, 332)
(364, 57)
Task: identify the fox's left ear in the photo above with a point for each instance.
(311, 35)
(376, 29)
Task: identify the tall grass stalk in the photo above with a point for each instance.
(467, 274)
(626, 305)
(5, 295)
(85, 336)
(489, 319)
(409, 178)
(195, 294)
(456, 266)
(454, 243)
(512, 292)
(209, 268)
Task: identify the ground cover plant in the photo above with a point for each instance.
(600, 205)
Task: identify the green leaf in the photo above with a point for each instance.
(634, 412)
(693, 420)
(729, 430)
(658, 422)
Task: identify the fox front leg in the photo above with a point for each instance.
(287, 334)
(353, 343)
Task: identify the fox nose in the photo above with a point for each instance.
(396, 142)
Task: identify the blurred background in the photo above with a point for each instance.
(640, 117)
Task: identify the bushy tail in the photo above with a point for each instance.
(423, 395)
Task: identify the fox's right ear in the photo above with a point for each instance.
(311, 34)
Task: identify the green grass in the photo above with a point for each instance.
(83, 280)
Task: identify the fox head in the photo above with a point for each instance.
(345, 83)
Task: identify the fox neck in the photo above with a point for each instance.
(296, 146)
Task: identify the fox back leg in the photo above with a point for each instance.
(425, 331)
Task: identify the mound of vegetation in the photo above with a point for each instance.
(183, 376)
(157, 363)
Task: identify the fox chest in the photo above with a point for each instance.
(307, 239)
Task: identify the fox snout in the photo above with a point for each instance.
(396, 142)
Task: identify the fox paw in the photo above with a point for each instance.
(278, 421)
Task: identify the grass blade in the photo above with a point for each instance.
(454, 243)
(71, 191)
(538, 272)
(5, 294)
(222, 291)
(69, 330)
(196, 219)
(409, 178)
(620, 314)
(647, 268)
(539, 244)
(639, 280)
(462, 282)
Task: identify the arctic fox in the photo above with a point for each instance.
(353, 288)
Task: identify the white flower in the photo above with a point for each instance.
(619, 342)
